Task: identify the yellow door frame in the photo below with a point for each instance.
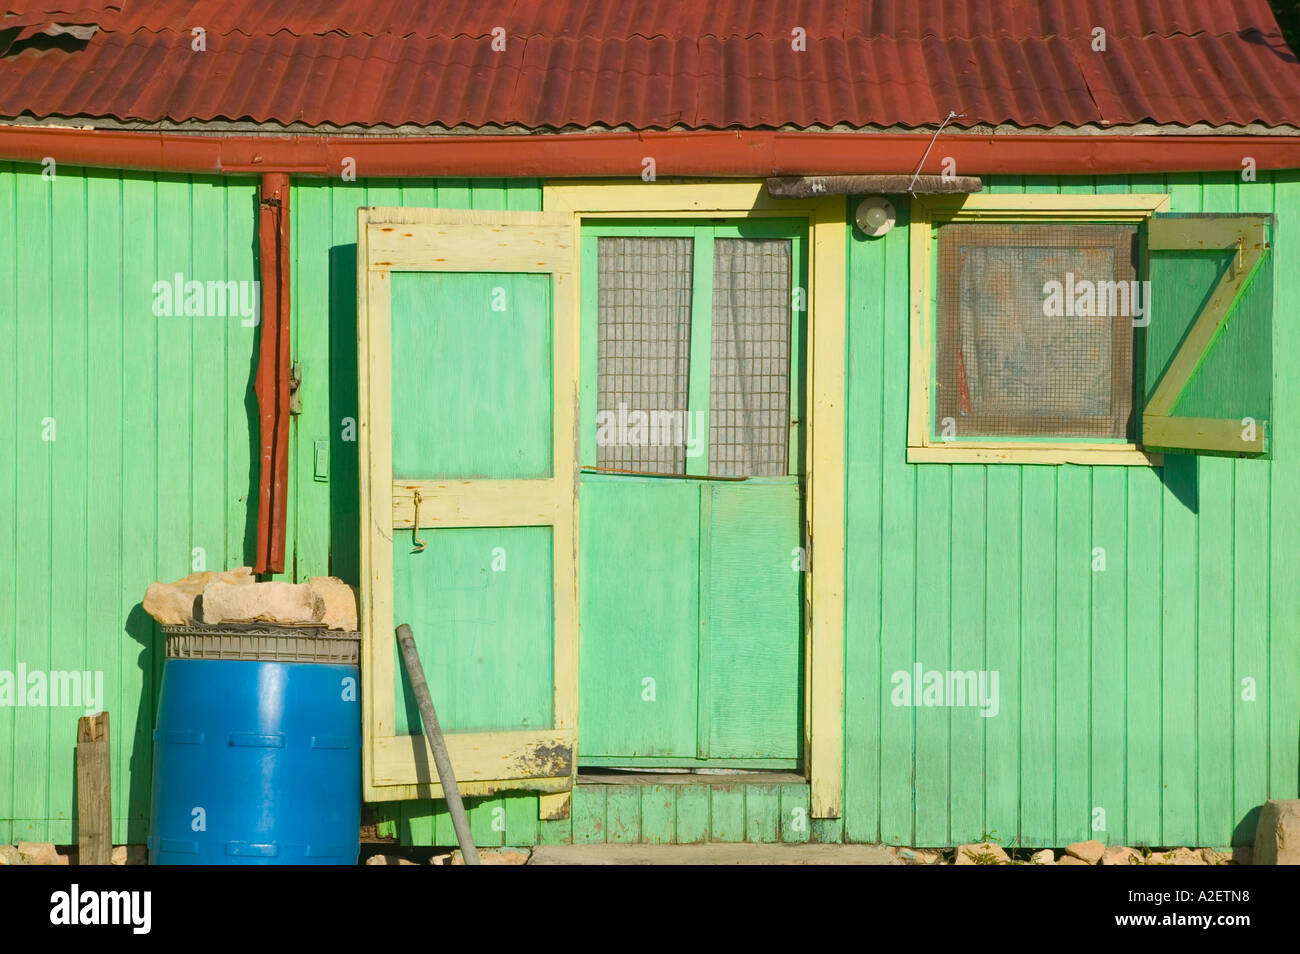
(825, 396)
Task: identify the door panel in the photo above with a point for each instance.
(475, 349)
(698, 586)
(479, 603)
(640, 616)
(753, 636)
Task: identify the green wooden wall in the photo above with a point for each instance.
(152, 455)
(155, 436)
(1119, 690)
(324, 515)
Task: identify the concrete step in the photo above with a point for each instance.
(712, 854)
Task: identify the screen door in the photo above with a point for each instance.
(468, 351)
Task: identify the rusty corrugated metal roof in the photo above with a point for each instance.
(674, 18)
(661, 64)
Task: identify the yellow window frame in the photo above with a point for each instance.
(930, 211)
(825, 394)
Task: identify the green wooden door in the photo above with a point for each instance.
(469, 414)
(691, 568)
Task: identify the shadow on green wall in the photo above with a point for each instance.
(1179, 477)
(253, 427)
(345, 506)
(141, 627)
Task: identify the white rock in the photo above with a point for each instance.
(1044, 857)
(172, 604)
(1277, 839)
(130, 855)
(917, 856)
(40, 853)
(1089, 852)
(986, 853)
(290, 603)
(496, 856)
(388, 860)
(340, 602)
(1121, 855)
(1176, 856)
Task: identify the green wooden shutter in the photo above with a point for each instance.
(1209, 343)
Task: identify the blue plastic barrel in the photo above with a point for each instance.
(256, 763)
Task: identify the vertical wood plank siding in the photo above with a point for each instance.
(1119, 690)
(154, 426)
(324, 515)
(150, 456)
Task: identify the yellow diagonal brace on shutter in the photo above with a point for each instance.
(1201, 232)
(1207, 434)
(1168, 234)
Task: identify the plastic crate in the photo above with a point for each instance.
(263, 642)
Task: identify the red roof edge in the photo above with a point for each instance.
(724, 153)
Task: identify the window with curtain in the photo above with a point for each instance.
(1034, 333)
(696, 328)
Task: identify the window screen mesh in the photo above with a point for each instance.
(749, 412)
(1012, 360)
(644, 349)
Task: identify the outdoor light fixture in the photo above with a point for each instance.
(875, 216)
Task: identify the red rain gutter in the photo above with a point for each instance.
(754, 153)
(272, 384)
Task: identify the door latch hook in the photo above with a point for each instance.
(415, 527)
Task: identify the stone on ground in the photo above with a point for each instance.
(1044, 857)
(388, 860)
(1121, 855)
(130, 855)
(1277, 839)
(917, 856)
(495, 856)
(1176, 856)
(713, 853)
(1086, 851)
(1213, 856)
(1071, 860)
(987, 853)
(40, 853)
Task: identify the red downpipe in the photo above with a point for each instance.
(272, 386)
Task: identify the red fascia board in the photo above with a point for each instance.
(750, 153)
